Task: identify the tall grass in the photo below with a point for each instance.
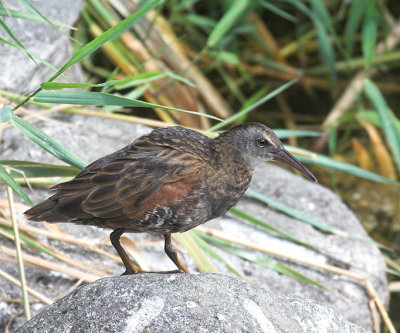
(308, 66)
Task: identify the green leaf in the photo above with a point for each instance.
(373, 117)
(181, 79)
(188, 241)
(6, 114)
(288, 211)
(27, 16)
(387, 118)
(35, 169)
(275, 9)
(332, 141)
(262, 224)
(227, 21)
(318, 17)
(101, 99)
(285, 133)
(326, 49)
(106, 36)
(33, 55)
(356, 11)
(44, 18)
(207, 248)
(137, 79)
(300, 217)
(203, 22)
(369, 32)
(30, 242)
(8, 180)
(319, 10)
(259, 259)
(227, 57)
(324, 161)
(266, 98)
(62, 85)
(47, 143)
(10, 33)
(133, 94)
(92, 46)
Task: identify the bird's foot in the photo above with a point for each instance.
(132, 269)
(131, 272)
(175, 271)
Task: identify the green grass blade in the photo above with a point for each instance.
(369, 32)
(259, 259)
(328, 162)
(33, 55)
(318, 17)
(373, 117)
(106, 36)
(30, 243)
(262, 224)
(47, 143)
(227, 22)
(201, 21)
(355, 13)
(203, 263)
(300, 217)
(35, 169)
(28, 16)
(44, 18)
(288, 211)
(285, 133)
(8, 180)
(10, 33)
(133, 94)
(276, 10)
(319, 10)
(326, 49)
(181, 79)
(101, 99)
(6, 114)
(62, 85)
(243, 112)
(95, 44)
(207, 248)
(138, 79)
(389, 126)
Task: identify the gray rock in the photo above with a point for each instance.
(183, 303)
(91, 138)
(18, 72)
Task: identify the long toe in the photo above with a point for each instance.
(132, 269)
(175, 271)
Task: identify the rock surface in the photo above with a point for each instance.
(91, 138)
(183, 303)
(18, 72)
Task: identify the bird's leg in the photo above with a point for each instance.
(170, 250)
(131, 267)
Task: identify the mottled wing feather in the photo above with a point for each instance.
(119, 188)
(124, 194)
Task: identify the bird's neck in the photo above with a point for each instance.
(230, 180)
(226, 156)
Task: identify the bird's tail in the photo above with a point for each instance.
(46, 211)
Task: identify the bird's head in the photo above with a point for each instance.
(256, 143)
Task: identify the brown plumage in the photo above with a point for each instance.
(170, 180)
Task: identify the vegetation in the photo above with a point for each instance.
(325, 71)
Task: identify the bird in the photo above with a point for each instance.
(168, 181)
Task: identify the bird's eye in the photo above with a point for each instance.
(261, 142)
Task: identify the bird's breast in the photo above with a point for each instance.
(226, 189)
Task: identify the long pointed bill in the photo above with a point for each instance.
(283, 156)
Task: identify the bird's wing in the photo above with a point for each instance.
(127, 187)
